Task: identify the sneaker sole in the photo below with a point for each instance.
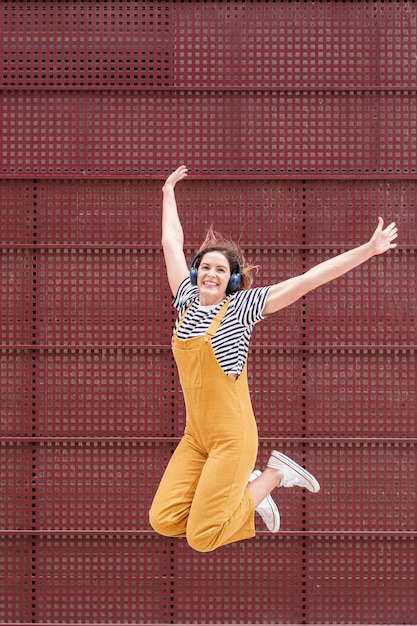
(275, 515)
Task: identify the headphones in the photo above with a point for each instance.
(234, 279)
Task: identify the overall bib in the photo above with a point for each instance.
(202, 495)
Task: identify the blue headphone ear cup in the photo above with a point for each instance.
(234, 281)
(194, 271)
(193, 276)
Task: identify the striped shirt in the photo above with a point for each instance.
(231, 341)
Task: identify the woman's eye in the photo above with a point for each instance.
(206, 268)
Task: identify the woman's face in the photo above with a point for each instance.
(213, 277)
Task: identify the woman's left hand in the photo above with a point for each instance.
(382, 239)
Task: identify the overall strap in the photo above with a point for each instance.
(217, 319)
(180, 321)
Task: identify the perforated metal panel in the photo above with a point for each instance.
(265, 132)
(147, 43)
(298, 123)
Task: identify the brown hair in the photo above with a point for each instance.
(215, 241)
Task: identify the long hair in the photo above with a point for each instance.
(215, 241)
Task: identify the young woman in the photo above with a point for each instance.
(209, 491)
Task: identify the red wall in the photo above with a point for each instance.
(298, 123)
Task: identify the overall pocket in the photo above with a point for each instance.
(189, 368)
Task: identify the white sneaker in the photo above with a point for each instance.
(294, 474)
(267, 509)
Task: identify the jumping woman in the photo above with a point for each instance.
(210, 491)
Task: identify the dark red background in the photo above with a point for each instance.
(298, 123)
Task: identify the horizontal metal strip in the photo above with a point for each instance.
(171, 623)
(380, 441)
(84, 348)
(216, 88)
(260, 348)
(140, 532)
(115, 246)
(258, 176)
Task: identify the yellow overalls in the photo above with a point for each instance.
(202, 495)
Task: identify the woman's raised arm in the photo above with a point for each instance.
(285, 293)
(172, 232)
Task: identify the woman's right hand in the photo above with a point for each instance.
(176, 176)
